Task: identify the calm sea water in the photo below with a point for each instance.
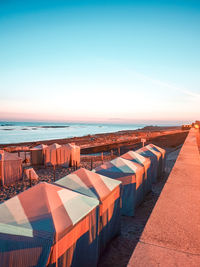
(17, 132)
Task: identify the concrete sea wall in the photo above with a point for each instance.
(172, 234)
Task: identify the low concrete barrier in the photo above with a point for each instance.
(172, 234)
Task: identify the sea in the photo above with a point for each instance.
(12, 132)
(19, 132)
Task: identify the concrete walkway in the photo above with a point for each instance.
(172, 234)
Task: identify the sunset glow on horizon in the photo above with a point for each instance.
(100, 61)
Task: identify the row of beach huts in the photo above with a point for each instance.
(54, 155)
(71, 221)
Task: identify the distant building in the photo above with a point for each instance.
(186, 126)
(195, 124)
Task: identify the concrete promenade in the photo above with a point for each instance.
(172, 234)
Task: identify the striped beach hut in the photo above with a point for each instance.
(131, 175)
(161, 156)
(145, 152)
(107, 191)
(48, 225)
(146, 163)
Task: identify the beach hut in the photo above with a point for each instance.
(107, 191)
(155, 158)
(10, 168)
(145, 152)
(74, 154)
(56, 154)
(52, 155)
(131, 175)
(37, 154)
(161, 156)
(48, 225)
(146, 163)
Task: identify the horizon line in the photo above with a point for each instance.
(108, 121)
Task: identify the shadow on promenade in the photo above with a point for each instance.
(121, 248)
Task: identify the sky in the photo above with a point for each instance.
(110, 61)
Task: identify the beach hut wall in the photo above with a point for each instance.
(52, 157)
(62, 155)
(65, 154)
(48, 225)
(10, 168)
(37, 154)
(56, 155)
(107, 191)
(74, 154)
(1, 167)
(131, 175)
(146, 163)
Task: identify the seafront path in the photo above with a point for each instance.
(171, 236)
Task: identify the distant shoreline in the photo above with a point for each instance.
(101, 138)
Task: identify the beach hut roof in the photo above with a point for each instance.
(132, 155)
(42, 210)
(119, 165)
(39, 147)
(54, 146)
(71, 145)
(147, 152)
(124, 165)
(10, 156)
(156, 149)
(89, 183)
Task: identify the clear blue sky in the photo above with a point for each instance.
(133, 61)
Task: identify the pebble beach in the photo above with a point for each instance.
(167, 142)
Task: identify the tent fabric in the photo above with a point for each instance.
(57, 155)
(107, 191)
(131, 175)
(37, 154)
(144, 162)
(74, 154)
(65, 155)
(48, 225)
(161, 155)
(10, 168)
(31, 174)
(52, 156)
